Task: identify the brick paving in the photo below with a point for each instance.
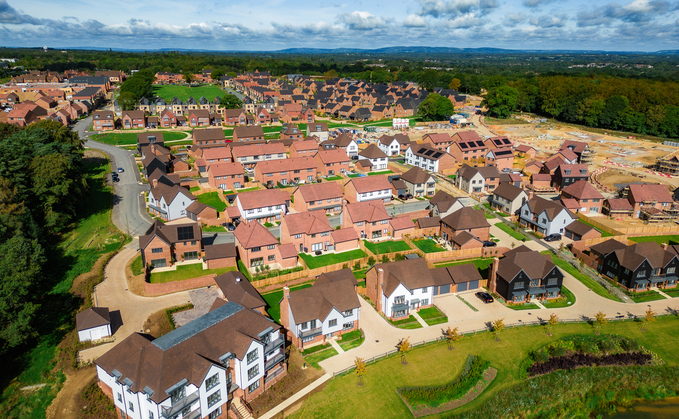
(202, 300)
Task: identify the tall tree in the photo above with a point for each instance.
(230, 101)
(500, 101)
(436, 108)
(429, 79)
(498, 326)
(403, 348)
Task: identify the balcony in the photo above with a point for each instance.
(400, 306)
(180, 405)
(273, 361)
(310, 333)
(269, 347)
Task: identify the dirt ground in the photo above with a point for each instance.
(616, 176)
(157, 324)
(68, 403)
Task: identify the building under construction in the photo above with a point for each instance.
(668, 164)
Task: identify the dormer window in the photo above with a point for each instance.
(178, 394)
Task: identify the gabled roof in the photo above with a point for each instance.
(576, 146)
(318, 301)
(236, 288)
(632, 256)
(428, 222)
(248, 150)
(507, 190)
(551, 209)
(439, 138)
(466, 136)
(216, 153)
(372, 152)
(253, 234)
(262, 198)
(306, 144)
(466, 218)
(208, 134)
(253, 131)
(309, 222)
(175, 231)
(332, 156)
(367, 211)
(92, 317)
(169, 193)
(412, 273)
(427, 152)
(219, 251)
(370, 183)
(402, 223)
(487, 172)
(534, 264)
(320, 191)
(344, 235)
(582, 189)
(649, 192)
(566, 170)
(580, 228)
(416, 176)
(607, 247)
(286, 165)
(619, 204)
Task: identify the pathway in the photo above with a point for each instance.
(296, 397)
(539, 304)
(335, 345)
(420, 320)
(662, 293)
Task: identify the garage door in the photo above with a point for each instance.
(462, 287)
(436, 290)
(473, 285)
(444, 289)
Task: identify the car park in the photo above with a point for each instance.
(485, 297)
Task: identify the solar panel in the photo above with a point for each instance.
(506, 141)
(463, 145)
(437, 155)
(184, 233)
(479, 143)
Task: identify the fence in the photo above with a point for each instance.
(646, 230)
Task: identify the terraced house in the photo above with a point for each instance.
(251, 154)
(332, 162)
(308, 231)
(293, 171)
(324, 196)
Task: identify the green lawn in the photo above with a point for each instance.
(213, 229)
(388, 246)
(360, 274)
(528, 306)
(273, 300)
(353, 176)
(603, 233)
(314, 262)
(137, 266)
(434, 364)
(383, 172)
(212, 199)
(317, 357)
(229, 192)
(186, 272)
(351, 340)
(432, 316)
(482, 264)
(127, 138)
(428, 246)
(409, 323)
(646, 296)
(329, 178)
(672, 292)
(570, 299)
(507, 229)
(168, 92)
(674, 239)
(194, 189)
(589, 282)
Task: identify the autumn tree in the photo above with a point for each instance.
(403, 347)
(360, 369)
(599, 320)
(553, 320)
(649, 317)
(454, 84)
(452, 336)
(498, 326)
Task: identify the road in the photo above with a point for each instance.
(128, 214)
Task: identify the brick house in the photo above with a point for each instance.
(308, 231)
(207, 136)
(220, 256)
(286, 171)
(440, 142)
(502, 158)
(258, 247)
(430, 226)
(165, 243)
(498, 142)
(226, 175)
(233, 117)
(468, 146)
(477, 179)
(251, 154)
(253, 133)
(213, 155)
(369, 219)
(647, 196)
(525, 151)
(103, 121)
(332, 162)
(325, 196)
(588, 199)
(168, 119)
(199, 118)
(304, 148)
(133, 119)
(468, 220)
(368, 188)
(292, 132)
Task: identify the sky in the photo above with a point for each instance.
(270, 25)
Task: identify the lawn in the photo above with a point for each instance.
(432, 316)
(354, 176)
(528, 306)
(168, 92)
(314, 262)
(229, 192)
(672, 292)
(317, 357)
(212, 199)
(434, 364)
(186, 272)
(351, 340)
(213, 229)
(646, 296)
(194, 189)
(388, 246)
(409, 323)
(603, 233)
(482, 264)
(273, 300)
(589, 282)
(127, 138)
(329, 178)
(507, 229)
(137, 266)
(570, 300)
(384, 172)
(360, 274)
(674, 239)
(428, 246)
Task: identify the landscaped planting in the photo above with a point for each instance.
(507, 229)
(567, 299)
(409, 323)
(432, 316)
(642, 297)
(589, 282)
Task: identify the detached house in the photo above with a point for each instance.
(508, 198)
(265, 205)
(103, 121)
(254, 133)
(199, 118)
(442, 204)
(326, 310)
(465, 220)
(163, 244)
(308, 231)
(292, 132)
(467, 146)
(168, 119)
(587, 199)
(133, 119)
(257, 247)
(234, 117)
(477, 179)
(440, 142)
(419, 183)
(394, 145)
(546, 217)
(318, 130)
(342, 142)
(367, 189)
(647, 197)
(169, 202)
(372, 159)
(567, 174)
(315, 196)
(369, 219)
(429, 158)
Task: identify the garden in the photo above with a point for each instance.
(128, 138)
(212, 199)
(428, 245)
(388, 246)
(183, 272)
(182, 92)
(314, 262)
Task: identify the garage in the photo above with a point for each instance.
(444, 289)
(473, 285)
(462, 286)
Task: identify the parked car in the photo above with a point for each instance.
(231, 227)
(116, 179)
(553, 237)
(409, 196)
(121, 170)
(485, 297)
(489, 243)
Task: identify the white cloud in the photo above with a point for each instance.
(414, 21)
(454, 8)
(361, 20)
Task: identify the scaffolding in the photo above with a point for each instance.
(668, 164)
(587, 156)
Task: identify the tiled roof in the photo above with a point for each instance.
(254, 234)
(370, 183)
(367, 211)
(321, 191)
(582, 189)
(262, 198)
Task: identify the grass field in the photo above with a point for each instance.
(428, 246)
(314, 262)
(212, 199)
(168, 92)
(274, 298)
(388, 246)
(570, 299)
(646, 296)
(658, 239)
(127, 138)
(672, 292)
(434, 364)
(186, 272)
(589, 282)
(316, 357)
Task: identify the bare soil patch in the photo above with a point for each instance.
(157, 324)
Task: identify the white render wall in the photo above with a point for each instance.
(265, 211)
(94, 333)
(401, 290)
(384, 194)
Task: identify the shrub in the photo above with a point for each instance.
(385, 259)
(371, 260)
(399, 256)
(357, 266)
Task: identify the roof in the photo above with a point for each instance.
(427, 222)
(286, 165)
(463, 237)
(632, 256)
(92, 317)
(367, 211)
(220, 251)
(287, 251)
(534, 264)
(577, 146)
(649, 192)
(236, 288)
(226, 169)
(580, 228)
(487, 172)
(582, 189)
(427, 152)
(320, 191)
(182, 229)
(507, 190)
(309, 222)
(332, 156)
(344, 235)
(216, 153)
(575, 170)
(402, 223)
(335, 276)
(523, 148)
(398, 184)
(187, 353)
(568, 154)
(412, 273)
(439, 138)
(416, 176)
(400, 138)
(541, 177)
(168, 193)
(262, 198)
(466, 136)
(372, 152)
(253, 234)
(370, 183)
(208, 134)
(619, 204)
(570, 203)
(538, 204)
(466, 218)
(607, 247)
(318, 301)
(257, 150)
(306, 144)
(252, 131)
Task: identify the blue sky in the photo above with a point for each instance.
(638, 25)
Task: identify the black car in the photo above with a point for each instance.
(489, 243)
(116, 179)
(230, 227)
(485, 297)
(553, 237)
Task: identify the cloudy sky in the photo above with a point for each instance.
(637, 25)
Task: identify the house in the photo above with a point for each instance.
(502, 158)
(234, 287)
(442, 204)
(308, 231)
(342, 142)
(93, 324)
(533, 167)
(398, 188)
(204, 369)
(430, 226)
(419, 183)
(468, 146)
(252, 133)
(292, 132)
(21, 117)
(207, 136)
(429, 158)
(332, 162)
(644, 197)
(368, 188)
(440, 142)
(508, 198)
(372, 158)
(264, 205)
(526, 151)
(544, 216)
(457, 278)
(326, 310)
(617, 208)
(226, 176)
(304, 148)
(369, 219)
(580, 149)
(477, 179)
(498, 142)
(318, 130)
(199, 118)
(541, 182)
(577, 230)
(213, 155)
(292, 171)
(325, 196)
(588, 199)
(147, 138)
(523, 275)
(258, 247)
(568, 174)
(168, 119)
(468, 220)
(234, 117)
(200, 212)
(220, 256)
(401, 287)
(512, 178)
(169, 202)
(165, 243)
(639, 266)
(401, 226)
(133, 119)
(394, 145)
(103, 121)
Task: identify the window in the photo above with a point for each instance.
(151, 416)
(326, 233)
(332, 323)
(130, 406)
(271, 258)
(400, 299)
(348, 312)
(424, 301)
(252, 372)
(535, 282)
(254, 386)
(256, 249)
(641, 274)
(211, 382)
(157, 250)
(120, 397)
(215, 414)
(304, 325)
(552, 281)
(214, 398)
(384, 221)
(670, 270)
(256, 262)
(349, 325)
(178, 395)
(271, 246)
(307, 339)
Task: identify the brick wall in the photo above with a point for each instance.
(176, 286)
(221, 263)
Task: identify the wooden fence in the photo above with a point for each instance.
(645, 230)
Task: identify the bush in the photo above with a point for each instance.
(371, 261)
(357, 266)
(399, 256)
(385, 259)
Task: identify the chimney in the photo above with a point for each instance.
(285, 309)
(492, 277)
(664, 246)
(153, 148)
(155, 182)
(530, 194)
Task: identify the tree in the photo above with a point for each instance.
(649, 317)
(452, 336)
(217, 74)
(454, 84)
(127, 102)
(330, 74)
(403, 347)
(429, 79)
(189, 77)
(553, 320)
(230, 101)
(498, 326)
(500, 101)
(436, 108)
(360, 369)
(599, 320)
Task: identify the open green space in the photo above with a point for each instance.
(168, 92)
(137, 266)
(388, 246)
(127, 138)
(507, 229)
(673, 239)
(351, 340)
(383, 172)
(646, 296)
(212, 199)
(182, 272)
(428, 246)
(273, 300)
(672, 292)
(568, 300)
(589, 282)
(314, 262)
(564, 391)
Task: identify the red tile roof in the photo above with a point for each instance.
(582, 189)
(370, 183)
(262, 198)
(253, 234)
